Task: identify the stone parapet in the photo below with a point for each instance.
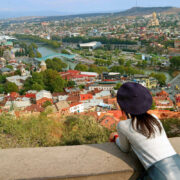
(85, 162)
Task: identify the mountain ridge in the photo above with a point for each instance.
(134, 11)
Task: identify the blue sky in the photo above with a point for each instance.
(79, 6)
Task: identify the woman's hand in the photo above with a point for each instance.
(113, 136)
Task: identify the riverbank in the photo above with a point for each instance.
(47, 51)
(37, 39)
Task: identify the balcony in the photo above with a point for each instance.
(85, 162)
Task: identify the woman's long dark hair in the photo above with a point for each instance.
(145, 124)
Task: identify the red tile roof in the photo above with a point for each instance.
(162, 93)
(14, 94)
(30, 95)
(116, 113)
(34, 108)
(84, 97)
(75, 104)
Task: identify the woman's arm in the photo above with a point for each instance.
(122, 141)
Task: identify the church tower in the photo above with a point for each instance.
(43, 66)
(154, 21)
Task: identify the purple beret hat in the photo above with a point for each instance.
(134, 98)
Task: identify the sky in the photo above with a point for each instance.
(78, 6)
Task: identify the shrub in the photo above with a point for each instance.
(28, 132)
(44, 131)
(83, 130)
(172, 127)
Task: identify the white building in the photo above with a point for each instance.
(43, 94)
(90, 73)
(62, 97)
(76, 108)
(19, 103)
(18, 80)
(91, 45)
(104, 87)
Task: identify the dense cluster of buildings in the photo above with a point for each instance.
(101, 103)
(97, 95)
(155, 28)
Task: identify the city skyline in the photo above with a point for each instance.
(16, 8)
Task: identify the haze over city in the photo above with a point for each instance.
(19, 8)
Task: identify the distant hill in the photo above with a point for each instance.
(137, 11)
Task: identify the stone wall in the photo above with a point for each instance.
(86, 162)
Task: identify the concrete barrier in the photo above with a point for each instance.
(85, 162)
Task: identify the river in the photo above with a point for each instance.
(45, 51)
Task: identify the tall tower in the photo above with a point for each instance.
(23, 71)
(43, 66)
(154, 21)
(154, 16)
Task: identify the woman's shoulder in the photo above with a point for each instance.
(123, 124)
(154, 116)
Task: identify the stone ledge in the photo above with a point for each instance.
(88, 162)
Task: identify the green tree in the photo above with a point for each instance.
(53, 81)
(49, 80)
(121, 61)
(56, 64)
(10, 87)
(1, 88)
(37, 87)
(64, 51)
(36, 82)
(71, 83)
(128, 63)
(160, 77)
(175, 62)
(81, 67)
(31, 54)
(2, 79)
(144, 64)
(34, 46)
(38, 54)
(81, 86)
(118, 85)
(10, 67)
(17, 72)
(46, 104)
(1, 52)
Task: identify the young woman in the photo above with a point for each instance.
(145, 134)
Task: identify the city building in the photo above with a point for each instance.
(43, 66)
(90, 45)
(43, 96)
(154, 21)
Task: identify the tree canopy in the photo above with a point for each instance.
(56, 64)
(160, 77)
(10, 87)
(49, 80)
(81, 67)
(175, 62)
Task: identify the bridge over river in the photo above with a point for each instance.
(70, 57)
